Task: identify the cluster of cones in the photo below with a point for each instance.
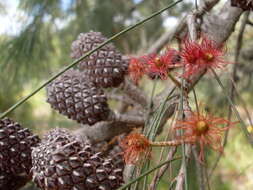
(60, 160)
(78, 94)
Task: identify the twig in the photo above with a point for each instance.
(126, 118)
(181, 179)
(219, 26)
(239, 40)
(184, 164)
(135, 93)
(167, 37)
(192, 28)
(106, 130)
(120, 98)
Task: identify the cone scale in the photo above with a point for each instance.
(77, 98)
(105, 67)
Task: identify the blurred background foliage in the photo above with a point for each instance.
(41, 46)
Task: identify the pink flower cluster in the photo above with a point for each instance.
(194, 56)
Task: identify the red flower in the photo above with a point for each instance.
(204, 55)
(135, 146)
(159, 65)
(136, 69)
(205, 130)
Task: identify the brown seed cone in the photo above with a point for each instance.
(15, 147)
(243, 4)
(65, 165)
(59, 135)
(116, 154)
(78, 99)
(105, 67)
(10, 181)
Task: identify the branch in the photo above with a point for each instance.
(167, 37)
(182, 25)
(102, 131)
(220, 26)
(105, 130)
(192, 28)
(135, 93)
(120, 98)
(126, 118)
